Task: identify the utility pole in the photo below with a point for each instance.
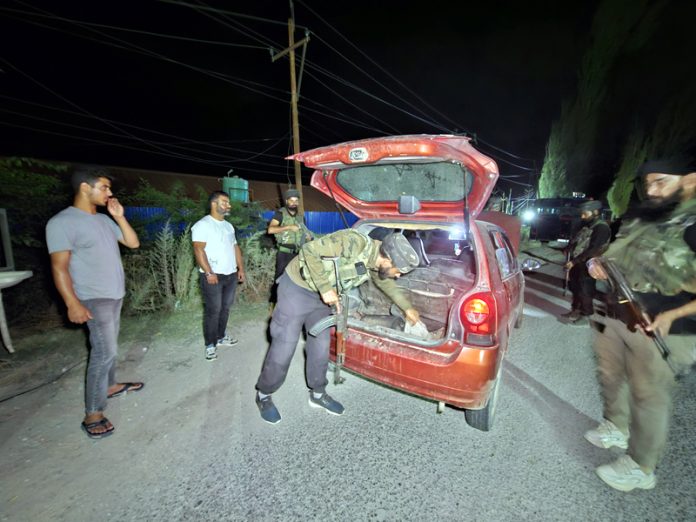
(293, 99)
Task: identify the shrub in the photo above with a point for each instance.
(161, 275)
(259, 265)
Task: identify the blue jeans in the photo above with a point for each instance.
(217, 301)
(103, 340)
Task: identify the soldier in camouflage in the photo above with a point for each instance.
(308, 288)
(591, 241)
(656, 252)
(290, 232)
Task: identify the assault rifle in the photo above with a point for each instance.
(625, 295)
(338, 318)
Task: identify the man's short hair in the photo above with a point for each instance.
(215, 195)
(90, 175)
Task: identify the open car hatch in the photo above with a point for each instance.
(370, 178)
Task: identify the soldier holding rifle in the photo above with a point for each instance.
(307, 290)
(591, 241)
(655, 252)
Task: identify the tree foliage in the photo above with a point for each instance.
(672, 135)
(617, 25)
(31, 191)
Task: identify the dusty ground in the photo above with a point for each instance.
(191, 445)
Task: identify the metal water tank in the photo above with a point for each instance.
(237, 188)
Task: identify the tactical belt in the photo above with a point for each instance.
(288, 249)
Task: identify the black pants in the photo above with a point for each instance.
(297, 307)
(582, 286)
(282, 260)
(217, 301)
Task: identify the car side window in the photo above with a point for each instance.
(507, 263)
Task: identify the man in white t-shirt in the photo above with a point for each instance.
(221, 267)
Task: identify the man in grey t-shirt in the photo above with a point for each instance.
(87, 271)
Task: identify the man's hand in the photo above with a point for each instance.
(241, 275)
(661, 324)
(596, 270)
(331, 298)
(293, 228)
(78, 313)
(114, 207)
(211, 279)
(412, 315)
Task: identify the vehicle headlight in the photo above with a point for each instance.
(528, 215)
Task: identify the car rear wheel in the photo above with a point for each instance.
(483, 419)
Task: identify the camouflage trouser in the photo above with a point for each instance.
(297, 307)
(637, 385)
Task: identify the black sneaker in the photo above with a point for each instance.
(325, 401)
(269, 412)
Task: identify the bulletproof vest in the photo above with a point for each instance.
(654, 257)
(582, 241)
(288, 237)
(352, 270)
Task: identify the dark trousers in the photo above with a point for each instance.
(217, 301)
(297, 307)
(582, 286)
(282, 260)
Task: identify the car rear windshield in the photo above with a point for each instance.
(442, 181)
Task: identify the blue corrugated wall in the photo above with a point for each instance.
(317, 222)
(322, 222)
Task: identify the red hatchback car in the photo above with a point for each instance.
(468, 286)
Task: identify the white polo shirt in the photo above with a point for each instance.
(219, 240)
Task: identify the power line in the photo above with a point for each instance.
(136, 31)
(380, 67)
(214, 74)
(227, 13)
(82, 138)
(398, 81)
(185, 140)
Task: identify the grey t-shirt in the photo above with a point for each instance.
(95, 261)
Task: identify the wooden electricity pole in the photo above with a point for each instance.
(293, 102)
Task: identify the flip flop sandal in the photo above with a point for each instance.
(127, 386)
(87, 428)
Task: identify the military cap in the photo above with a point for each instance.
(400, 252)
(590, 205)
(292, 193)
(676, 166)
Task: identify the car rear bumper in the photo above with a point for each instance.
(459, 376)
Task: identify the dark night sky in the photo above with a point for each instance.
(497, 69)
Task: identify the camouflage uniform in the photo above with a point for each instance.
(637, 385)
(288, 242)
(299, 303)
(591, 241)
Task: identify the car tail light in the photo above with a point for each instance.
(480, 319)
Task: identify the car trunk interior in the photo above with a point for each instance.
(446, 271)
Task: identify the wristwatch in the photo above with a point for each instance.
(208, 274)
